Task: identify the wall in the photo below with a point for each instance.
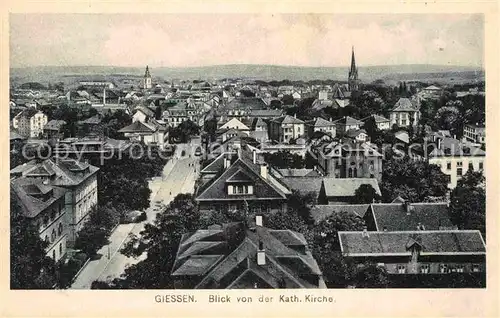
(54, 216)
(454, 161)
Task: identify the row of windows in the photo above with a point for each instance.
(54, 234)
(443, 268)
(460, 165)
(60, 251)
(54, 213)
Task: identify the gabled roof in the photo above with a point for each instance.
(348, 121)
(54, 124)
(263, 189)
(394, 216)
(258, 122)
(450, 242)
(378, 119)
(353, 133)
(433, 88)
(287, 119)
(404, 104)
(94, 120)
(137, 127)
(321, 212)
(226, 258)
(34, 196)
(62, 172)
(235, 122)
(320, 122)
(346, 187)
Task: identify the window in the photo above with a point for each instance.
(459, 268)
(471, 166)
(443, 268)
(54, 254)
(480, 166)
(459, 163)
(59, 229)
(53, 236)
(60, 248)
(424, 268)
(401, 269)
(448, 165)
(475, 268)
(459, 171)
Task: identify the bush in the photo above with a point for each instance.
(142, 217)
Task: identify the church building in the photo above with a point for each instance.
(146, 81)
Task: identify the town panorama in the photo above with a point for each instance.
(141, 181)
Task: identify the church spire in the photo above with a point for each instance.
(353, 74)
(353, 62)
(147, 72)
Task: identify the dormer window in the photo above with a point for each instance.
(239, 189)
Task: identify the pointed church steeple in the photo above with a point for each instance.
(146, 81)
(353, 82)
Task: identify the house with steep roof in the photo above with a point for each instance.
(356, 135)
(44, 206)
(408, 216)
(346, 123)
(151, 133)
(78, 178)
(241, 182)
(381, 122)
(286, 128)
(405, 113)
(431, 92)
(142, 114)
(342, 191)
(259, 130)
(321, 125)
(234, 123)
(238, 256)
(53, 129)
(418, 251)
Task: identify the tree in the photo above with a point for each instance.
(30, 268)
(412, 180)
(449, 118)
(371, 276)
(284, 160)
(93, 235)
(160, 240)
(324, 242)
(287, 100)
(468, 203)
(365, 194)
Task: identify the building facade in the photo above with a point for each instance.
(30, 123)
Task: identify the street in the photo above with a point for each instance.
(178, 176)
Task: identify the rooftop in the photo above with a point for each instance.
(404, 104)
(451, 242)
(346, 187)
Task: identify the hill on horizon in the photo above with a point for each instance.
(45, 74)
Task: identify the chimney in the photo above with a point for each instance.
(295, 115)
(438, 143)
(263, 170)
(261, 254)
(258, 220)
(408, 207)
(254, 156)
(365, 232)
(227, 161)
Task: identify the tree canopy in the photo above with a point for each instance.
(468, 202)
(412, 180)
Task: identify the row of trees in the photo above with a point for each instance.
(160, 241)
(123, 187)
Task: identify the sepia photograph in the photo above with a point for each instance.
(183, 151)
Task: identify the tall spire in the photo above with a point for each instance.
(353, 62)
(147, 72)
(353, 74)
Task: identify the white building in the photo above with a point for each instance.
(30, 122)
(455, 158)
(405, 113)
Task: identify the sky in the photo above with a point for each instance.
(184, 40)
